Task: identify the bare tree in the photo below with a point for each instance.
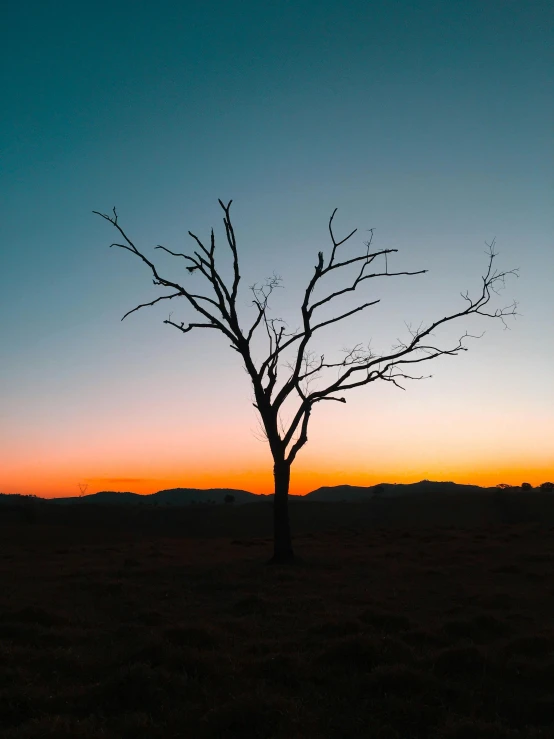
(276, 381)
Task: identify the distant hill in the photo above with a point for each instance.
(351, 493)
(186, 496)
(106, 497)
(336, 494)
(174, 496)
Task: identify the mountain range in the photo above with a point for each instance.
(336, 494)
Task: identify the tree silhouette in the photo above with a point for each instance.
(276, 381)
(229, 499)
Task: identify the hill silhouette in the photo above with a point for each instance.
(173, 496)
(210, 496)
(352, 493)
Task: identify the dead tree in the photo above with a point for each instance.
(276, 381)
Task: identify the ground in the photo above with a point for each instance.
(113, 628)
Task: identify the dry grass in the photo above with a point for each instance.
(394, 633)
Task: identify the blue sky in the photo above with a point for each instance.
(431, 122)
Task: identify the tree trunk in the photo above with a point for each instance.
(282, 545)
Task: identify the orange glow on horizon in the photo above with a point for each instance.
(386, 439)
(259, 479)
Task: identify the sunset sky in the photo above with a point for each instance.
(430, 122)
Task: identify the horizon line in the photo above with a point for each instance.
(267, 495)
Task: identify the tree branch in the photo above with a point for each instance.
(190, 326)
(233, 246)
(145, 305)
(158, 280)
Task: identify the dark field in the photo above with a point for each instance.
(396, 624)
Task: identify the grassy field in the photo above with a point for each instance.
(400, 622)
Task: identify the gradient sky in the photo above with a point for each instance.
(428, 121)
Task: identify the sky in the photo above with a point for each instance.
(430, 122)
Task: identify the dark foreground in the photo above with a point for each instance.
(113, 630)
